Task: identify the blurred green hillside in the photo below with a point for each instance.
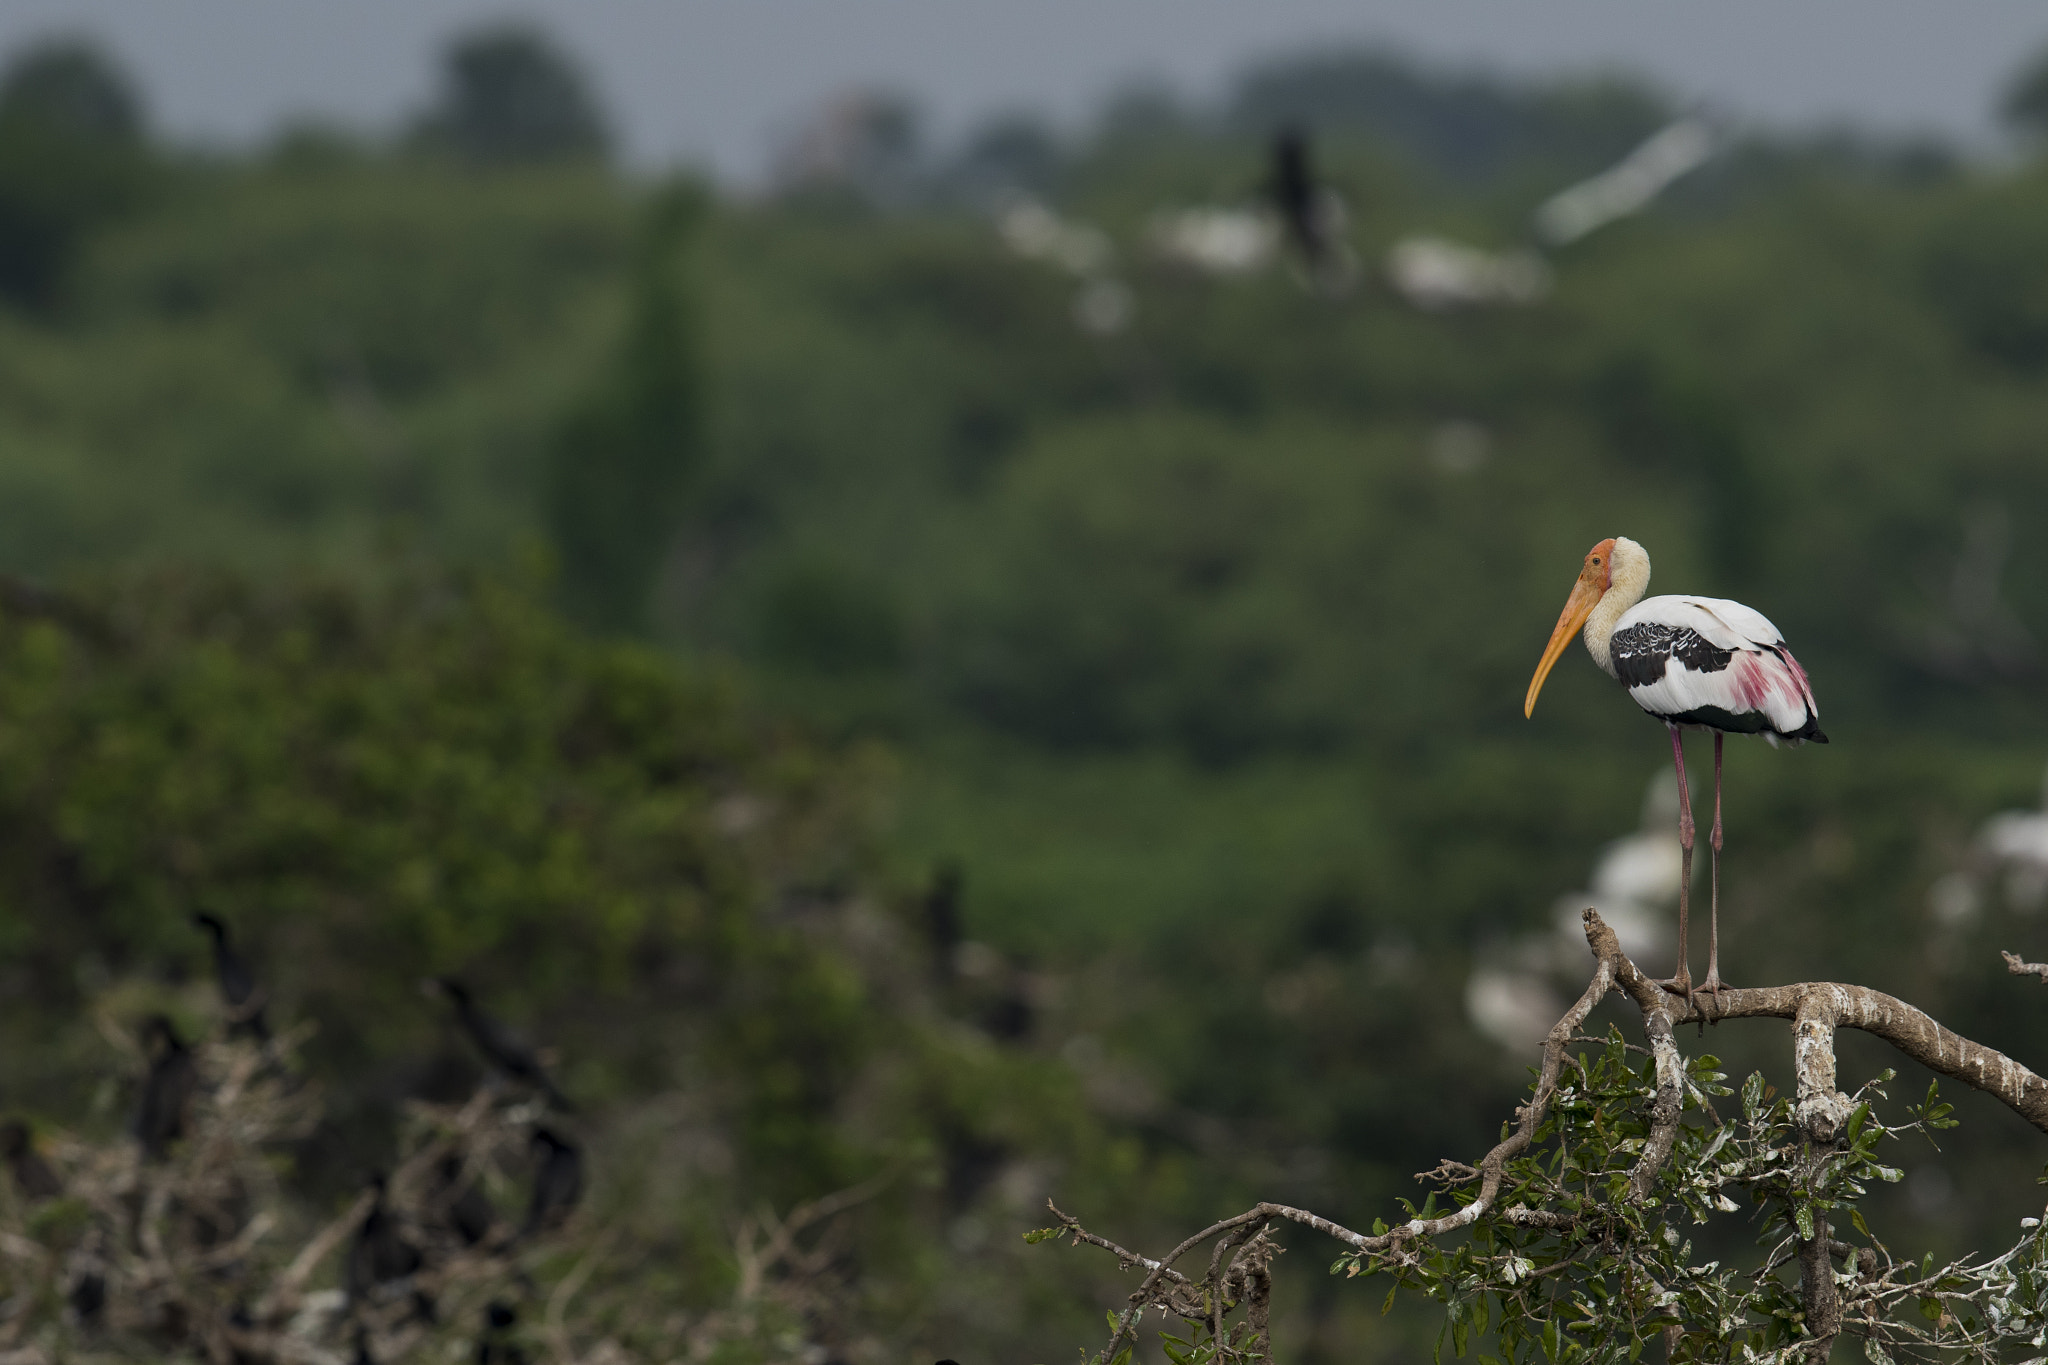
(1196, 646)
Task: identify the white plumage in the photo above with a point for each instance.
(1758, 684)
(1695, 663)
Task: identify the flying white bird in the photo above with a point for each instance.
(1695, 663)
(2017, 842)
(1615, 193)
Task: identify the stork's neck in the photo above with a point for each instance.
(1626, 583)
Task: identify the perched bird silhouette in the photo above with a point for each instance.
(509, 1054)
(1311, 215)
(495, 1346)
(87, 1297)
(460, 1197)
(33, 1178)
(380, 1253)
(1293, 187)
(239, 989)
(557, 1182)
(167, 1090)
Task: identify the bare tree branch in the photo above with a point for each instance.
(1816, 1009)
(2018, 967)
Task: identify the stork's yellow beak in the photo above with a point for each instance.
(1586, 594)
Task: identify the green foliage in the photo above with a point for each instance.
(1199, 644)
(2024, 106)
(70, 162)
(509, 96)
(619, 466)
(1621, 1271)
(70, 87)
(435, 775)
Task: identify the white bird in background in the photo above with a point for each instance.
(1637, 875)
(1435, 273)
(1104, 304)
(1217, 241)
(1511, 995)
(2016, 841)
(1695, 663)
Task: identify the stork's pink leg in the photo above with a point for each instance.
(1681, 984)
(1713, 982)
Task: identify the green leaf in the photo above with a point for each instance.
(1388, 1306)
(1802, 1217)
(1856, 1217)
(1037, 1235)
(1930, 1308)
(1857, 1120)
(1460, 1333)
(1550, 1340)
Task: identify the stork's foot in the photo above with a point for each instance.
(1713, 986)
(1680, 984)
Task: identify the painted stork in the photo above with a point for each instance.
(1695, 663)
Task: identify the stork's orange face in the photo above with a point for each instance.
(1594, 576)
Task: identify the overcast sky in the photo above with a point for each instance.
(714, 82)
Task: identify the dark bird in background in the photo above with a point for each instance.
(495, 1346)
(1310, 215)
(167, 1090)
(509, 1054)
(461, 1198)
(1293, 188)
(87, 1297)
(239, 989)
(557, 1181)
(380, 1253)
(33, 1178)
(245, 1338)
(942, 927)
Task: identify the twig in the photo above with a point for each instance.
(286, 1290)
(558, 1301)
(2018, 967)
(1126, 1257)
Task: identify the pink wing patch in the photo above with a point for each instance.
(1805, 687)
(1773, 683)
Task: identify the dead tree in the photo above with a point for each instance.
(1568, 1240)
